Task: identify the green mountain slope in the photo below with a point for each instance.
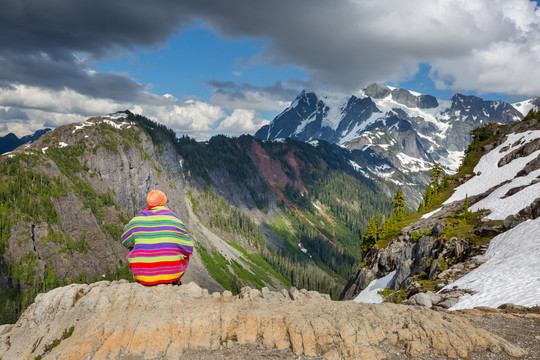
(270, 214)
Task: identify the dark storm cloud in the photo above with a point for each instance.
(339, 43)
(347, 43)
(233, 90)
(47, 43)
(13, 114)
(231, 95)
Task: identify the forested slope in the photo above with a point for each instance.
(261, 213)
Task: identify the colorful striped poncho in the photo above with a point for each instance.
(161, 246)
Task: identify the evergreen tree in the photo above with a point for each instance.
(428, 198)
(398, 203)
(436, 173)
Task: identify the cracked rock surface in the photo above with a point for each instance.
(128, 320)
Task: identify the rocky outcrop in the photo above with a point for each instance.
(429, 257)
(128, 320)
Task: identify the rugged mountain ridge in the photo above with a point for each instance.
(11, 141)
(441, 246)
(410, 131)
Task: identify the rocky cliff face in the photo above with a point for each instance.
(79, 185)
(123, 320)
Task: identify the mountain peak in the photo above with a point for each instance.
(377, 91)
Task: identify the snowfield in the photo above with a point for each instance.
(488, 175)
(511, 274)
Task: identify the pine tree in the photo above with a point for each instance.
(399, 204)
(436, 171)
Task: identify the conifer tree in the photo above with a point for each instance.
(399, 204)
(436, 173)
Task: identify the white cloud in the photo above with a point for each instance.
(191, 116)
(63, 101)
(505, 66)
(242, 121)
(49, 108)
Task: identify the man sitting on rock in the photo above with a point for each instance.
(159, 242)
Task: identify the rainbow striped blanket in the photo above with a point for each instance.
(161, 246)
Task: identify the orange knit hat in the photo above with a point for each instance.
(156, 198)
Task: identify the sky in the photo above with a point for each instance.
(205, 67)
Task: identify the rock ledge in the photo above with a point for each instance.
(119, 319)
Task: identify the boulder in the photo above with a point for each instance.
(427, 299)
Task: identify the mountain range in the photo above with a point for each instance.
(263, 213)
(491, 204)
(404, 132)
(11, 141)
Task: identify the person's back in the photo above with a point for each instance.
(160, 243)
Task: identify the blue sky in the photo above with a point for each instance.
(205, 66)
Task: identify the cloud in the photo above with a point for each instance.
(242, 121)
(343, 44)
(48, 44)
(231, 95)
(50, 108)
(12, 114)
(47, 49)
(189, 117)
(348, 43)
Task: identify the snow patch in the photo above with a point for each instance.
(44, 149)
(511, 274)
(334, 115)
(62, 144)
(355, 165)
(382, 167)
(304, 123)
(430, 214)
(452, 161)
(370, 295)
(524, 106)
(412, 164)
(116, 125)
(82, 125)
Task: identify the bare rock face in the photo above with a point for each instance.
(127, 320)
